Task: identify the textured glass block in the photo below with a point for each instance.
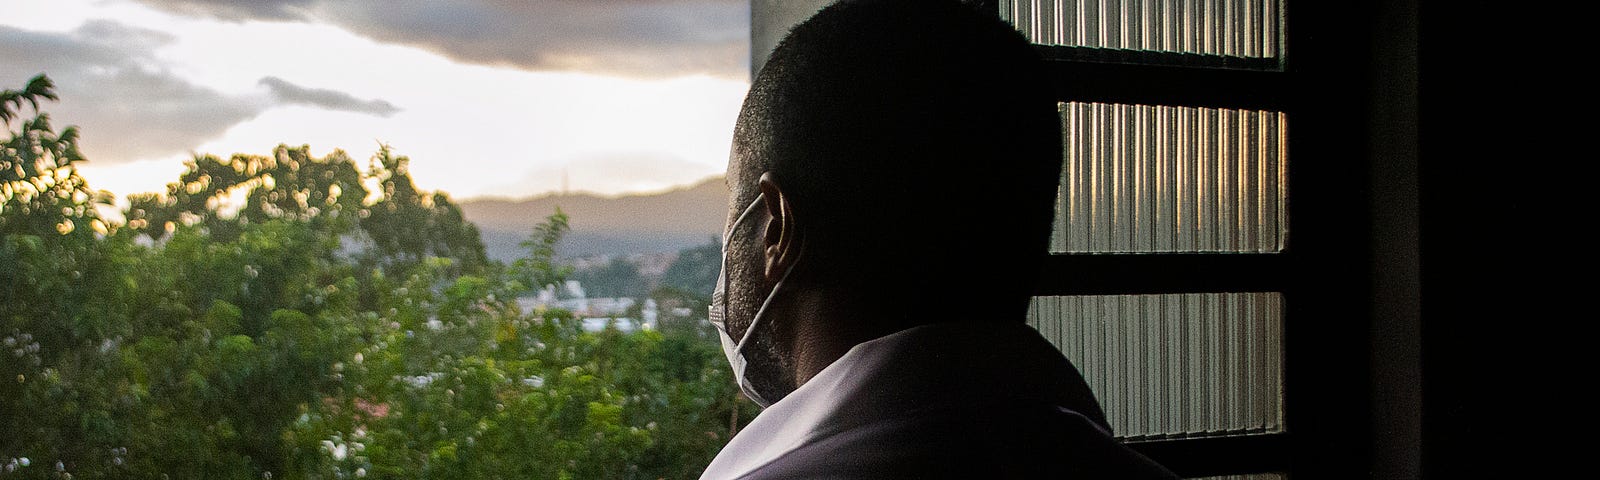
(1229, 28)
(1145, 179)
(1173, 366)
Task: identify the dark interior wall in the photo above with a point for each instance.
(1396, 309)
(1499, 260)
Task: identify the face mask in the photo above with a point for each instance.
(719, 308)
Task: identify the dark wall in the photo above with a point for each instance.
(1495, 166)
(1396, 309)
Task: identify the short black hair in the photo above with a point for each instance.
(902, 119)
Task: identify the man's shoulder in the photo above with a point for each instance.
(938, 401)
(967, 441)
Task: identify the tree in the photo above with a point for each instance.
(538, 268)
(616, 278)
(58, 392)
(41, 192)
(407, 225)
(695, 269)
(321, 331)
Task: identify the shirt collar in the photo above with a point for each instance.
(923, 367)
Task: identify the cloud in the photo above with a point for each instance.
(128, 105)
(639, 38)
(238, 10)
(329, 99)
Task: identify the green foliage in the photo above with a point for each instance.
(11, 101)
(696, 268)
(408, 226)
(539, 268)
(41, 192)
(318, 331)
(617, 278)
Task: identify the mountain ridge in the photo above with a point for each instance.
(665, 221)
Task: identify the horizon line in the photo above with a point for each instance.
(557, 193)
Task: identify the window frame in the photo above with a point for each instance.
(1319, 271)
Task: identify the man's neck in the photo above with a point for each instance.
(829, 322)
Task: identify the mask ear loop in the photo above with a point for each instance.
(738, 348)
(722, 276)
(727, 237)
(768, 303)
(761, 313)
(755, 322)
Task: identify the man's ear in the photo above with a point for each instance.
(780, 244)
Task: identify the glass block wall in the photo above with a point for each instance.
(1232, 28)
(1145, 179)
(1180, 365)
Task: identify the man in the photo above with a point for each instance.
(892, 184)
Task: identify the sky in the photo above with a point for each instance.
(504, 98)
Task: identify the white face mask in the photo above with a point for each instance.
(719, 309)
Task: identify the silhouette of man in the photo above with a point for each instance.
(892, 183)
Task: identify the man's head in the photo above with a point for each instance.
(905, 156)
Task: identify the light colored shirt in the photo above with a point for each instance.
(945, 400)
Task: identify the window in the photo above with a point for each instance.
(1183, 284)
(1207, 267)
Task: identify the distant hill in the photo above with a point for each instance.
(647, 223)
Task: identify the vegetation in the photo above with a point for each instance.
(616, 278)
(339, 324)
(696, 268)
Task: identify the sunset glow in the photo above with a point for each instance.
(149, 88)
